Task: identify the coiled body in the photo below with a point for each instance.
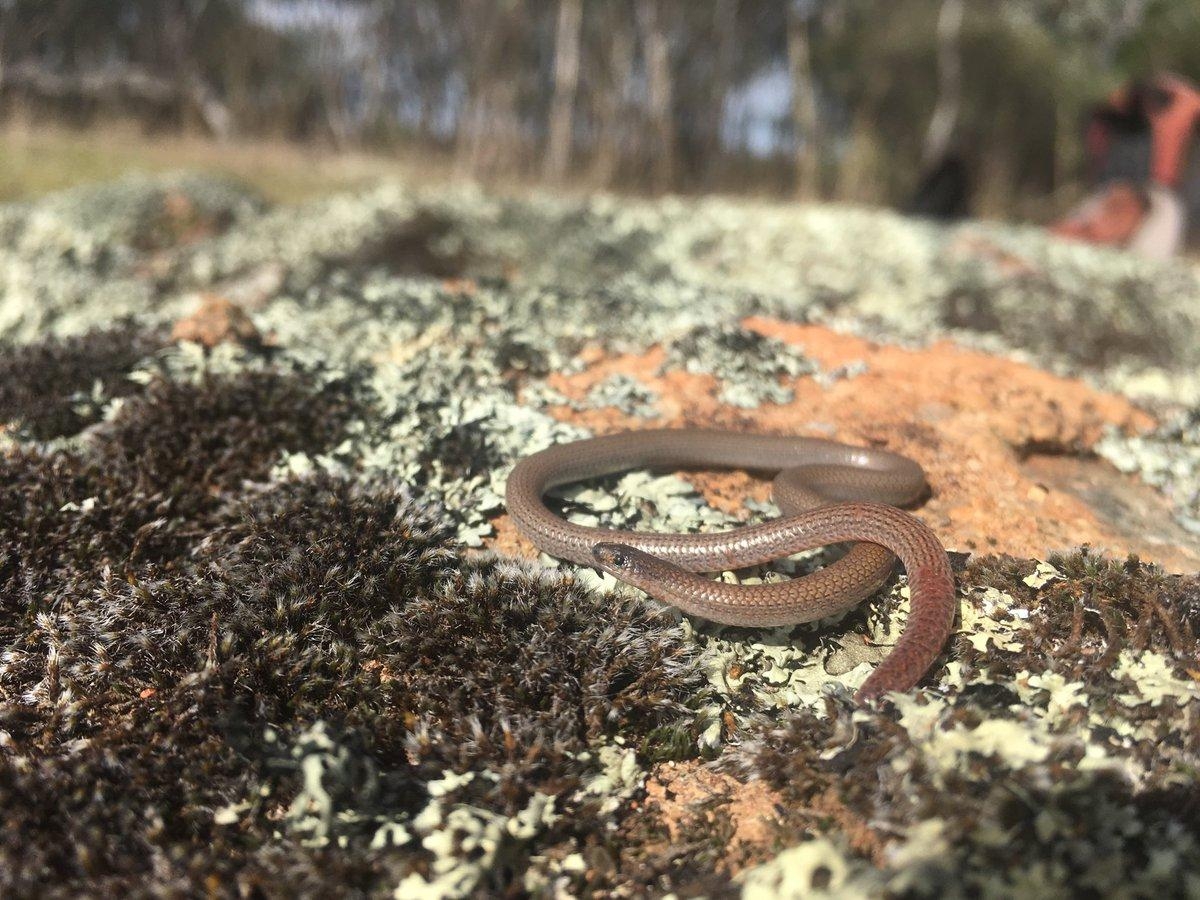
(816, 480)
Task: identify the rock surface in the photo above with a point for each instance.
(267, 629)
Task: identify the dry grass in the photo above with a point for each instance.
(36, 158)
(42, 158)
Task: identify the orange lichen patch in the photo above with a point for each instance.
(968, 418)
(216, 321)
(689, 798)
(511, 542)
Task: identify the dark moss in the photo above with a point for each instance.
(199, 440)
(518, 358)
(61, 520)
(810, 755)
(460, 450)
(141, 699)
(1082, 622)
(130, 811)
(149, 483)
(415, 245)
(550, 667)
(645, 859)
(279, 594)
(46, 387)
(36, 490)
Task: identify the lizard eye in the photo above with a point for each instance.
(613, 556)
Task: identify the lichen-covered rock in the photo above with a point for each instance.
(1033, 771)
(1168, 458)
(253, 639)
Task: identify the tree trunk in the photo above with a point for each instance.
(949, 97)
(566, 81)
(805, 118)
(611, 105)
(659, 92)
(489, 139)
(726, 37)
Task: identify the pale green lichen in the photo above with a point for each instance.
(627, 394)
(992, 618)
(1154, 679)
(467, 844)
(751, 369)
(816, 868)
(619, 779)
(1042, 575)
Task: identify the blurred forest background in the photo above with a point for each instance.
(833, 99)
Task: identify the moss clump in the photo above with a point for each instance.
(1084, 619)
(208, 676)
(562, 673)
(315, 600)
(280, 590)
(189, 443)
(151, 482)
(54, 388)
(46, 538)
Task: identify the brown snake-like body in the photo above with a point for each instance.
(816, 479)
